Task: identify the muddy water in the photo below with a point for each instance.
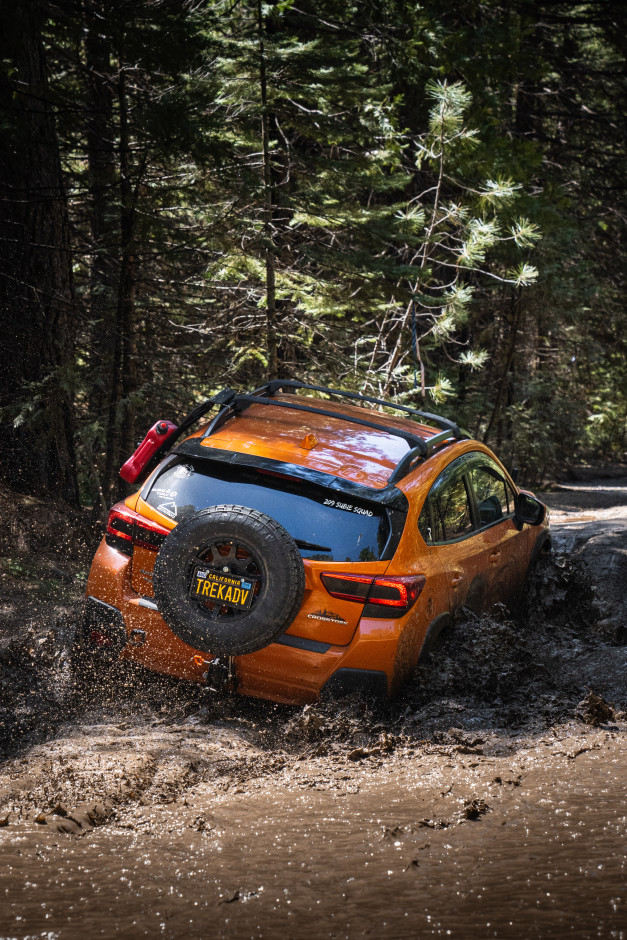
(488, 801)
(208, 835)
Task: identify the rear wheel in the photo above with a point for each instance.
(229, 551)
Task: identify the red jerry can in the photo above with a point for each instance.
(157, 435)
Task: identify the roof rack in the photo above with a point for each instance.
(277, 384)
(241, 402)
(231, 404)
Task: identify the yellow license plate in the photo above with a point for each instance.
(223, 589)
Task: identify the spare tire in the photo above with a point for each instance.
(222, 546)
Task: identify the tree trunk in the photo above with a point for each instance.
(104, 229)
(37, 313)
(120, 437)
(503, 384)
(271, 318)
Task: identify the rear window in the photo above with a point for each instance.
(325, 525)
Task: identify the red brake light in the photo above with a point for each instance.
(126, 528)
(383, 596)
(98, 638)
(397, 591)
(149, 534)
(347, 587)
(120, 522)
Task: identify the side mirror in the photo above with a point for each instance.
(528, 509)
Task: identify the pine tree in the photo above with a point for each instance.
(37, 310)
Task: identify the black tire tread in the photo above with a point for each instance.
(254, 524)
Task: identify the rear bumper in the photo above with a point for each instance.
(293, 670)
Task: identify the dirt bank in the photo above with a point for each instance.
(487, 801)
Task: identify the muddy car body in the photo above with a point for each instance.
(357, 533)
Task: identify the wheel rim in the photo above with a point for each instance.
(227, 556)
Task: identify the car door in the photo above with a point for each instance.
(503, 542)
(447, 523)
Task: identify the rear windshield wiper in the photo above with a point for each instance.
(311, 546)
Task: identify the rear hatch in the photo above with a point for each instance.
(332, 531)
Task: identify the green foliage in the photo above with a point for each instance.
(418, 200)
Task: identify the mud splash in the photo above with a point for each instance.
(488, 801)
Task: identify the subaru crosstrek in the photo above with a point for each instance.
(292, 546)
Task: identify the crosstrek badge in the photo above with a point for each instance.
(326, 615)
(223, 589)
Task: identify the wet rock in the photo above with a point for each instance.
(202, 824)
(359, 753)
(239, 895)
(433, 824)
(465, 743)
(594, 710)
(473, 809)
(394, 834)
(612, 629)
(81, 819)
(67, 825)
(99, 813)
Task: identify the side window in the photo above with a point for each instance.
(446, 513)
(454, 509)
(494, 497)
(425, 523)
(430, 523)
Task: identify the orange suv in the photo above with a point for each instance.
(295, 546)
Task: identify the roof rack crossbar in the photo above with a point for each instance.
(231, 404)
(243, 400)
(226, 411)
(436, 440)
(275, 385)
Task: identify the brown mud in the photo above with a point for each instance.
(487, 801)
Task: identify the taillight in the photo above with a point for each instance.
(400, 591)
(348, 587)
(119, 532)
(383, 596)
(126, 528)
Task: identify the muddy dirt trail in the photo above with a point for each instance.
(488, 801)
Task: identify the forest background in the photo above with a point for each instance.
(425, 201)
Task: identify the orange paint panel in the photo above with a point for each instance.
(141, 571)
(319, 614)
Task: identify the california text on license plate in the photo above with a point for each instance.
(222, 588)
